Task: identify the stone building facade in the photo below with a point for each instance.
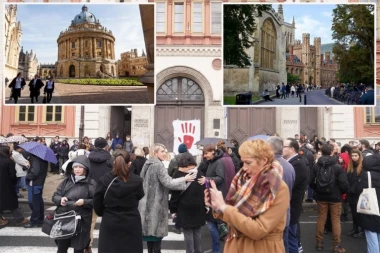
(12, 41)
(86, 49)
(46, 70)
(28, 64)
(131, 64)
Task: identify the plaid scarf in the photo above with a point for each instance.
(253, 196)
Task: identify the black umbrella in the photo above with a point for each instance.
(213, 141)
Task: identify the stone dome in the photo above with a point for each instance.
(85, 17)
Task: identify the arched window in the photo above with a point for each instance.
(72, 71)
(180, 88)
(268, 44)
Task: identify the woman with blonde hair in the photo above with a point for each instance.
(116, 199)
(256, 204)
(354, 170)
(139, 162)
(154, 205)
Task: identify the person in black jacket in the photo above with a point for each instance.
(16, 86)
(54, 145)
(138, 163)
(34, 87)
(63, 154)
(189, 205)
(101, 162)
(329, 200)
(371, 223)
(116, 199)
(35, 179)
(302, 171)
(76, 193)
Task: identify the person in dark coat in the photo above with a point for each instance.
(235, 160)
(35, 179)
(138, 163)
(368, 97)
(16, 86)
(116, 200)
(117, 140)
(189, 205)
(215, 172)
(63, 153)
(229, 167)
(54, 145)
(128, 144)
(8, 180)
(49, 89)
(354, 171)
(34, 87)
(76, 193)
(173, 165)
(371, 223)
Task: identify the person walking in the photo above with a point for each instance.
(116, 199)
(153, 207)
(253, 226)
(329, 181)
(76, 193)
(34, 87)
(8, 179)
(49, 89)
(16, 86)
(188, 206)
(283, 91)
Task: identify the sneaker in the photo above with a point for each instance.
(338, 249)
(3, 222)
(319, 246)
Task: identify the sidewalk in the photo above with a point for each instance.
(51, 184)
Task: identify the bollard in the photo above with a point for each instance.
(304, 99)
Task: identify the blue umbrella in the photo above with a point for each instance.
(258, 137)
(40, 151)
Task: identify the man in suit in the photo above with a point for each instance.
(49, 89)
(16, 86)
(302, 171)
(34, 87)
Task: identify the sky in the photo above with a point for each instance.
(315, 19)
(41, 25)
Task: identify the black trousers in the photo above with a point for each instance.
(64, 245)
(16, 93)
(154, 247)
(354, 218)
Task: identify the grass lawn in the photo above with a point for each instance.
(231, 100)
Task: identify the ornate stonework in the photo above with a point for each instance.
(217, 64)
(189, 51)
(12, 41)
(192, 74)
(86, 49)
(131, 64)
(28, 64)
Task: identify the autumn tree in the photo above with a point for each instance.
(239, 27)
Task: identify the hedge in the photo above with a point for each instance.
(107, 82)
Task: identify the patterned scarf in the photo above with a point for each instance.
(253, 196)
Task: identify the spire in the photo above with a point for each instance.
(143, 53)
(280, 9)
(294, 23)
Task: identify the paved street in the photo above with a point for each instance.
(86, 94)
(314, 97)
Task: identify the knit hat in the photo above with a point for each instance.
(100, 142)
(182, 148)
(78, 164)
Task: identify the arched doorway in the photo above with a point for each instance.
(177, 98)
(72, 71)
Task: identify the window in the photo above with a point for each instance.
(216, 18)
(26, 114)
(197, 17)
(53, 114)
(73, 54)
(178, 17)
(99, 44)
(372, 114)
(268, 45)
(72, 44)
(160, 17)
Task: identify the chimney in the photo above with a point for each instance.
(327, 56)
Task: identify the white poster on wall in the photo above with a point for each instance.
(188, 132)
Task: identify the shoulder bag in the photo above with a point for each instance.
(368, 203)
(62, 226)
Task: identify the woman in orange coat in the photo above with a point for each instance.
(256, 204)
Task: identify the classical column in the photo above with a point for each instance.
(67, 49)
(80, 47)
(147, 21)
(94, 47)
(113, 51)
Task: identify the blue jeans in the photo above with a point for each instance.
(373, 241)
(23, 182)
(286, 239)
(293, 239)
(309, 193)
(36, 204)
(213, 228)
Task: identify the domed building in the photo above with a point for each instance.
(86, 49)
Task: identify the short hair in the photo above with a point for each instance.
(235, 142)
(222, 146)
(332, 139)
(257, 149)
(365, 143)
(208, 148)
(186, 159)
(146, 150)
(345, 148)
(327, 149)
(118, 146)
(56, 137)
(156, 147)
(276, 143)
(139, 152)
(294, 144)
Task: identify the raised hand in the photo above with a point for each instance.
(188, 130)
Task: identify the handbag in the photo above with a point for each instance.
(62, 226)
(368, 203)
(44, 101)
(105, 194)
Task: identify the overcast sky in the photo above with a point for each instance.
(41, 25)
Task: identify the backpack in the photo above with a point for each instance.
(325, 179)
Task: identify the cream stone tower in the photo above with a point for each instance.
(86, 49)
(12, 41)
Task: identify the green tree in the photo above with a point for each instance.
(353, 30)
(293, 79)
(239, 26)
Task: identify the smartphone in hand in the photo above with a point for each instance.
(207, 185)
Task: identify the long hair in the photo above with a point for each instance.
(350, 168)
(5, 151)
(120, 166)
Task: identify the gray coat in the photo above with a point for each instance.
(153, 207)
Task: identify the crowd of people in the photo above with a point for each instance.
(249, 196)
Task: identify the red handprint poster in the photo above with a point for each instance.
(188, 132)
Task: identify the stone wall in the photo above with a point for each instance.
(235, 81)
(269, 80)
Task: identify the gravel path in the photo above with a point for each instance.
(87, 94)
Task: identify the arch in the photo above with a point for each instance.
(190, 73)
(72, 71)
(180, 89)
(86, 71)
(268, 44)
